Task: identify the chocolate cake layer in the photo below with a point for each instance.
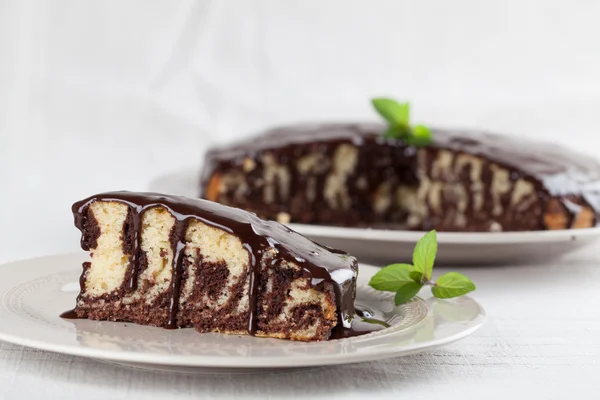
(350, 175)
(175, 262)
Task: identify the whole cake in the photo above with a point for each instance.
(174, 262)
(351, 175)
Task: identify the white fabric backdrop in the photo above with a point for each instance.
(106, 95)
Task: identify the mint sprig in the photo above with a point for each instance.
(397, 116)
(452, 284)
(424, 254)
(406, 279)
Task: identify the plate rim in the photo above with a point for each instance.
(391, 235)
(204, 361)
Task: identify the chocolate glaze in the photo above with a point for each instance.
(70, 314)
(257, 236)
(362, 325)
(131, 246)
(572, 178)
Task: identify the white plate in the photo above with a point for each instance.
(380, 246)
(35, 292)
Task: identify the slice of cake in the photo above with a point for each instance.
(174, 262)
(350, 175)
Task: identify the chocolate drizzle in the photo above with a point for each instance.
(134, 256)
(176, 285)
(70, 314)
(257, 236)
(87, 222)
(253, 290)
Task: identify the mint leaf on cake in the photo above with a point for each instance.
(397, 115)
(407, 279)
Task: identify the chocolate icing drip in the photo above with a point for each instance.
(131, 248)
(257, 236)
(86, 266)
(253, 290)
(136, 251)
(178, 257)
(90, 231)
(71, 314)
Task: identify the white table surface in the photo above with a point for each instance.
(541, 341)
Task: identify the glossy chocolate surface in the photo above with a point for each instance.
(560, 169)
(573, 178)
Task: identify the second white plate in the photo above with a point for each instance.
(378, 246)
(381, 246)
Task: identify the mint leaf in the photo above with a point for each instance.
(418, 142)
(397, 132)
(391, 133)
(407, 292)
(406, 280)
(417, 276)
(420, 136)
(424, 254)
(452, 284)
(396, 114)
(392, 278)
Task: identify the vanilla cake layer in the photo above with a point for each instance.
(174, 262)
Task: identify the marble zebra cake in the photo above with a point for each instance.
(174, 262)
(350, 175)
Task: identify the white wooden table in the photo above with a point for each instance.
(541, 341)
